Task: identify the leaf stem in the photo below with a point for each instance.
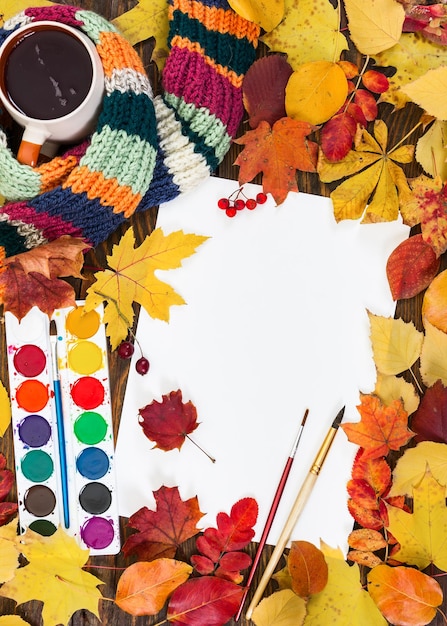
(416, 382)
(415, 127)
(212, 459)
(121, 315)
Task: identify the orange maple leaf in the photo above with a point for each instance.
(381, 428)
(32, 278)
(277, 151)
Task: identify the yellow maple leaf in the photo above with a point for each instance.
(396, 344)
(132, 279)
(431, 152)
(372, 176)
(9, 552)
(9, 8)
(412, 57)
(149, 18)
(54, 575)
(374, 25)
(5, 410)
(422, 535)
(322, 42)
(411, 466)
(343, 595)
(283, 607)
(265, 13)
(391, 388)
(433, 361)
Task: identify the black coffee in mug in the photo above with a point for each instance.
(48, 74)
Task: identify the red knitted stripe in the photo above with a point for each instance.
(220, 97)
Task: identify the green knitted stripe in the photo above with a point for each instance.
(17, 182)
(218, 46)
(130, 160)
(203, 124)
(94, 24)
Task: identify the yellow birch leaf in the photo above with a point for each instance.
(5, 410)
(9, 551)
(149, 18)
(429, 92)
(374, 25)
(265, 13)
(9, 8)
(433, 362)
(396, 344)
(390, 388)
(131, 279)
(322, 42)
(431, 150)
(410, 467)
(412, 57)
(343, 601)
(434, 304)
(280, 609)
(54, 575)
(422, 535)
(315, 91)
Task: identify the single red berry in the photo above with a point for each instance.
(239, 204)
(231, 211)
(261, 197)
(223, 203)
(251, 204)
(142, 366)
(126, 349)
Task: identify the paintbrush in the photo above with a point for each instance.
(60, 424)
(272, 513)
(298, 506)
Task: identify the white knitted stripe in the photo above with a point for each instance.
(33, 236)
(18, 20)
(128, 79)
(188, 168)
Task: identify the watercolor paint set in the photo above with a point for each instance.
(62, 425)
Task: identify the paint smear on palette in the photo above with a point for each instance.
(83, 370)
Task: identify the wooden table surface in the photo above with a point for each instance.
(109, 569)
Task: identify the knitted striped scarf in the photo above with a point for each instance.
(145, 150)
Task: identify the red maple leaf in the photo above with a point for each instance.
(7, 509)
(161, 532)
(381, 428)
(168, 422)
(430, 420)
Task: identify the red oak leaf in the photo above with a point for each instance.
(204, 600)
(168, 422)
(411, 267)
(430, 420)
(7, 509)
(381, 428)
(161, 532)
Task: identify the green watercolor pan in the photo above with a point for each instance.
(89, 446)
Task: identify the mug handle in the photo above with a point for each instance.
(28, 153)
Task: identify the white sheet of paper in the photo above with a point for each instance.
(275, 322)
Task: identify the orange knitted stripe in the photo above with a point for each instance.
(107, 190)
(218, 19)
(116, 53)
(55, 171)
(2, 267)
(183, 42)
